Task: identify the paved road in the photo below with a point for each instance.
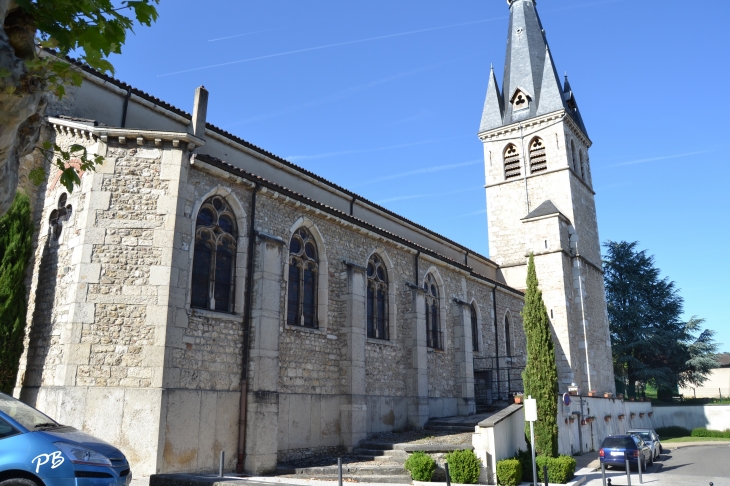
(686, 466)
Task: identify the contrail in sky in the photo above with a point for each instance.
(425, 170)
(655, 159)
(419, 196)
(239, 35)
(296, 158)
(328, 46)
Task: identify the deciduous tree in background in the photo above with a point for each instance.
(16, 231)
(540, 376)
(93, 29)
(651, 343)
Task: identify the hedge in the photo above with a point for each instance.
(421, 466)
(561, 469)
(703, 432)
(509, 472)
(464, 466)
(672, 431)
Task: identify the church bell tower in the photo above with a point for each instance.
(540, 199)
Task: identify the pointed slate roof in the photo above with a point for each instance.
(569, 98)
(528, 67)
(545, 209)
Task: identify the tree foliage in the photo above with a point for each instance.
(651, 343)
(540, 376)
(16, 231)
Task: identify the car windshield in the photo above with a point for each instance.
(644, 435)
(619, 443)
(28, 417)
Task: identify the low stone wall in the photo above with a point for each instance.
(498, 437)
(600, 418)
(713, 417)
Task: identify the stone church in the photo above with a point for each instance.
(199, 294)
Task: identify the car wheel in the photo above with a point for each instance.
(18, 482)
(651, 460)
(661, 449)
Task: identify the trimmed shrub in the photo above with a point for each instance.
(464, 466)
(421, 466)
(561, 469)
(525, 458)
(703, 432)
(509, 472)
(673, 431)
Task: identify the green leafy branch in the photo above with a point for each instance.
(70, 162)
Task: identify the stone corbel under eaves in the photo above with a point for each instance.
(529, 124)
(124, 135)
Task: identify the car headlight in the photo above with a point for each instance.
(81, 455)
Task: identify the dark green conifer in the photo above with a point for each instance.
(16, 231)
(540, 376)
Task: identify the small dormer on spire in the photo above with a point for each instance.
(493, 109)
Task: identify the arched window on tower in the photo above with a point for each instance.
(434, 335)
(214, 258)
(582, 166)
(538, 157)
(377, 311)
(474, 328)
(511, 162)
(59, 216)
(303, 271)
(507, 336)
(574, 155)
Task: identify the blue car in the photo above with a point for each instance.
(35, 450)
(616, 448)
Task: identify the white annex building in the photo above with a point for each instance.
(199, 294)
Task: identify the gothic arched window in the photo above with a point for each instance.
(303, 271)
(474, 328)
(214, 258)
(377, 300)
(582, 166)
(507, 336)
(434, 335)
(59, 215)
(538, 157)
(574, 156)
(511, 162)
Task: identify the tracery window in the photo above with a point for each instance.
(574, 155)
(434, 335)
(474, 328)
(511, 162)
(520, 101)
(59, 216)
(582, 166)
(377, 298)
(507, 336)
(538, 157)
(214, 258)
(303, 271)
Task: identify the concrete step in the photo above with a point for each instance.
(373, 478)
(380, 446)
(449, 428)
(362, 451)
(358, 471)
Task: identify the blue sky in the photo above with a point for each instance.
(385, 98)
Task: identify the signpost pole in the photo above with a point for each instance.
(531, 416)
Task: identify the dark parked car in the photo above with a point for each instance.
(616, 448)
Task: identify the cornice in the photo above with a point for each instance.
(497, 134)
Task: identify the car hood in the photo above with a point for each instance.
(75, 436)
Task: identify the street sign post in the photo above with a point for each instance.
(531, 416)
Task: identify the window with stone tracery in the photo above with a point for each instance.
(303, 271)
(434, 335)
(474, 328)
(520, 101)
(214, 257)
(538, 157)
(59, 216)
(511, 162)
(377, 298)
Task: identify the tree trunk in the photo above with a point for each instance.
(22, 98)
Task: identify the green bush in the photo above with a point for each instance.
(671, 432)
(509, 472)
(703, 432)
(561, 469)
(464, 466)
(525, 458)
(421, 466)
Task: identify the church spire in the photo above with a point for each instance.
(531, 86)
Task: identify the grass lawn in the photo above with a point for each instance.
(693, 439)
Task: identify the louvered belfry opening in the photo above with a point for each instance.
(538, 157)
(511, 162)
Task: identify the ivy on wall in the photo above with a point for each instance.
(16, 231)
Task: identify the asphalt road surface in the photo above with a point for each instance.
(687, 466)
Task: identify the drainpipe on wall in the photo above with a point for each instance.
(418, 253)
(524, 165)
(125, 106)
(247, 333)
(496, 335)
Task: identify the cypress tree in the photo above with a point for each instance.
(16, 231)
(540, 376)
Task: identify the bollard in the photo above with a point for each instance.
(641, 479)
(448, 476)
(220, 465)
(339, 471)
(628, 470)
(609, 482)
(545, 474)
(603, 474)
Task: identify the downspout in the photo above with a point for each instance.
(352, 205)
(524, 165)
(418, 253)
(247, 333)
(496, 334)
(124, 107)
(583, 318)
